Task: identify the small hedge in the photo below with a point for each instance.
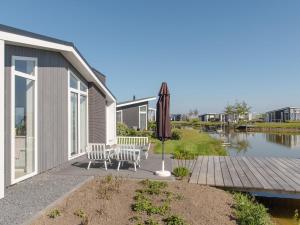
(181, 172)
(176, 134)
(250, 212)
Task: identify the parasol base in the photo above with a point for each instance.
(163, 173)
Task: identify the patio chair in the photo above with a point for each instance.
(129, 154)
(97, 152)
(141, 143)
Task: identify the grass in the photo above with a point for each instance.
(181, 172)
(287, 125)
(194, 142)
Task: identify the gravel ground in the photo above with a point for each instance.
(25, 199)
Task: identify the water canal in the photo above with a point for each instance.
(281, 207)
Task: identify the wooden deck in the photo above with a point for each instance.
(278, 175)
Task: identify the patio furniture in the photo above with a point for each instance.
(141, 143)
(129, 154)
(97, 152)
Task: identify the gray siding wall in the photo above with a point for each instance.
(97, 115)
(52, 107)
(131, 114)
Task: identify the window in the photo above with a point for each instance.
(120, 116)
(78, 120)
(24, 124)
(143, 117)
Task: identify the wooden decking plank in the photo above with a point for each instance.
(233, 173)
(243, 177)
(203, 171)
(282, 184)
(289, 165)
(225, 172)
(196, 170)
(297, 161)
(291, 173)
(292, 164)
(218, 172)
(252, 178)
(266, 173)
(283, 174)
(257, 174)
(210, 176)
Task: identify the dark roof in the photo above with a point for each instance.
(51, 39)
(98, 72)
(136, 100)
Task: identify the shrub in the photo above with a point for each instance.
(122, 129)
(54, 213)
(151, 221)
(80, 213)
(183, 154)
(176, 134)
(181, 172)
(154, 187)
(174, 220)
(249, 212)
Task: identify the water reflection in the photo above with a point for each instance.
(259, 144)
(288, 140)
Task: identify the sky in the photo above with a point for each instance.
(211, 53)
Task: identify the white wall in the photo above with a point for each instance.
(111, 125)
(1, 118)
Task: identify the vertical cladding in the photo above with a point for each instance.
(97, 115)
(131, 114)
(52, 107)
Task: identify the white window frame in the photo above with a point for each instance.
(79, 94)
(2, 118)
(121, 115)
(34, 77)
(146, 112)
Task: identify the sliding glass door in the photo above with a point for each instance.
(78, 116)
(24, 148)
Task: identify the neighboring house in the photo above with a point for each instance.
(283, 114)
(211, 117)
(134, 113)
(52, 103)
(176, 117)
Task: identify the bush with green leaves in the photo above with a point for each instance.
(54, 213)
(176, 134)
(183, 154)
(122, 129)
(181, 172)
(250, 212)
(174, 220)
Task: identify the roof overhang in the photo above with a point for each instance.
(68, 50)
(136, 101)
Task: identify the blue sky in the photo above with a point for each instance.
(210, 52)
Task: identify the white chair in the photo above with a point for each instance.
(141, 143)
(97, 152)
(128, 153)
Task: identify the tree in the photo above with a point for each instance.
(241, 109)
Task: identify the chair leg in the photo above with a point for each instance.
(119, 166)
(146, 155)
(89, 165)
(134, 166)
(105, 164)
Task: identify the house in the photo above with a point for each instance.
(134, 113)
(176, 117)
(52, 103)
(283, 114)
(211, 117)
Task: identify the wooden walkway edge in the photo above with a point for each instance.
(253, 174)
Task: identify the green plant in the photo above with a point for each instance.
(176, 134)
(80, 213)
(54, 213)
(183, 154)
(144, 204)
(249, 212)
(122, 129)
(175, 220)
(181, 172)
(108, 186)
(151, 221)
(153, 187)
